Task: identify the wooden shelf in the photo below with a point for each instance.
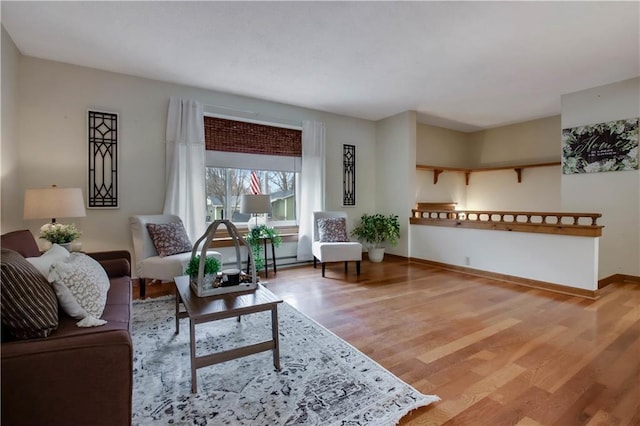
(467, 172)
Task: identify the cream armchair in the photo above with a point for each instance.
(340, 251)
(148, 264)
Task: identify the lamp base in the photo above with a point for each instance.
(256, 221)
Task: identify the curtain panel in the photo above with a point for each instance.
(312, 183)
(185, 168)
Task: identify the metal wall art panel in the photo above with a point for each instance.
(102, 183)
(349, 175)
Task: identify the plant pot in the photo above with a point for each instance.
(376, 254)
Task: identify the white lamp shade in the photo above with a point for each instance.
(250, 203)
(54, 202)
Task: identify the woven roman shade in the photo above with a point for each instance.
(250, 138)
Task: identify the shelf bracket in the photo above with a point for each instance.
(518, 171)
(436, 173)
(466, 178)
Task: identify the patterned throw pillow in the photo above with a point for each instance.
(332, 230)
(28, 303)
(169, 238)
(81, 285)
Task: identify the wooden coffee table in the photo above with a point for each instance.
(201, 310)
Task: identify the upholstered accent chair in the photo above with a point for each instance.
(331, 241)
(148, 262)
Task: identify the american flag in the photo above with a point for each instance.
(255, 183)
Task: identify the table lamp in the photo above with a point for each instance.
(255, 204)
(52, 203)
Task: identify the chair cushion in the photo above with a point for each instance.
(168, 267)
(337, 252)
(28, 305)
(169, 238)
(332, 230)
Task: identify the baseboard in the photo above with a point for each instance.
(618, 278)
(396, 257)
(527, 282)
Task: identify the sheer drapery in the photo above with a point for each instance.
(185, 172)
(312, 180)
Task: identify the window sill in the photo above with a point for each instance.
(222, 238)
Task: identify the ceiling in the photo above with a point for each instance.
(461, 65)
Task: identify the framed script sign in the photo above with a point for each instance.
(603, 147)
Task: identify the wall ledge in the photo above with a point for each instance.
(576, 224)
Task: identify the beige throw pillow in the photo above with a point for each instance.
(81, 285)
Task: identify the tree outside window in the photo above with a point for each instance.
(225, 186)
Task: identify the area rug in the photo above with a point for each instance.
(323, 380)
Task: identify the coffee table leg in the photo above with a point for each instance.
(192, 338)
(177, 311)
(276, 340)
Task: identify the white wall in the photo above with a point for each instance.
(436, 146)
(395, 172)
(442, 147)
(500, 190)
(450, 188)
(10, 188)
(569, 261)
(556, 259)
(614, 194)
(52, 101)
(534, 141)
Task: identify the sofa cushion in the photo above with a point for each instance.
(28, 302)
(332, 230)
(21, 241)
(81, 285)
(169, 238)
(44, 263)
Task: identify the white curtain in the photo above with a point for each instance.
(312, 177)
(185, 178)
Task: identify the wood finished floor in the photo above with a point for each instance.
(496, 353)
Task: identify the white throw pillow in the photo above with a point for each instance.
(43, 263)
(81, 285)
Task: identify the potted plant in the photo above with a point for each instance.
(57, 233)
(211, 268)
(255, 238)
(375, 230)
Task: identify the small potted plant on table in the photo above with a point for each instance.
(211, 269)
(57, 233)
(375, 230)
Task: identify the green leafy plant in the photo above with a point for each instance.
(57, 233)
(211, 266)
(255, 237)
(376, 229)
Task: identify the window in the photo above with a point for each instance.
(235, 150)
(226, 185)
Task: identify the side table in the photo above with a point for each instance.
(266, 264)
